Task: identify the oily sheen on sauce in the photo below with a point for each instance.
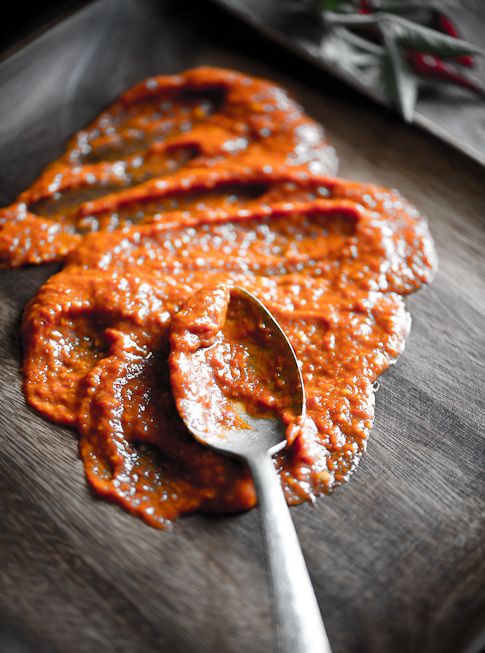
(205, 116)
(331, 259)
(229, 364)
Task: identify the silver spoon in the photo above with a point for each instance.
(299, 624)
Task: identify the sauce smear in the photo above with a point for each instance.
(197, 183)
(201, 118)
(331, 269)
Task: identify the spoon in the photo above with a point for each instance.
(232, 430)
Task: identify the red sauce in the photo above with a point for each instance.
(329, 258)
(204, 117)
(208, 179)
(229, 361)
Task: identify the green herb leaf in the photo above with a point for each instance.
(424, 39)
(333, 5)
(399, 35)
(402, 6)
(399, 80)
(361, 42)
(349, 20)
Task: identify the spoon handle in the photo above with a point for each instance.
(299, 623)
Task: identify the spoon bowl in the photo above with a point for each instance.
(239, 390)
(257, 434)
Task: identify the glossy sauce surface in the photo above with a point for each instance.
(331, 260)
(204, 117)
(229, 363)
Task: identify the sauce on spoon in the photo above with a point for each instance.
(238, 387)
(229, 360)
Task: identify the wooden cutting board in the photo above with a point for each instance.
(396, 555)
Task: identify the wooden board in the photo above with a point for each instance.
(397, 554)
(447, 111)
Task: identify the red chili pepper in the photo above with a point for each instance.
(428, 65)
(424, 64)
(365, 7)
(444, 24)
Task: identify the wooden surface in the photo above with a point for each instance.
(396, 555)
(451, 113)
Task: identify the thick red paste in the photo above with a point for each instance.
(330, 259)
(198, 182)
(205, 116)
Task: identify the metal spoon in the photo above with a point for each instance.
(299, 624)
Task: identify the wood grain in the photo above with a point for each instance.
(397, 555)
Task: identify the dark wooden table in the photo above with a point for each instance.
(397, 555)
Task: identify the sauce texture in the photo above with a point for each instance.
(330, 259)
(203, 117)
(200, 182)
(229, 363)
